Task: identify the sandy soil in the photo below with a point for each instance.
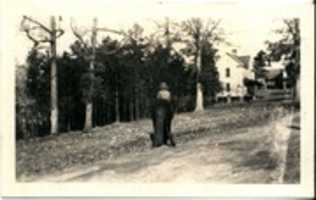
(243, 155)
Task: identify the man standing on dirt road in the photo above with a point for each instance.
(162, 115)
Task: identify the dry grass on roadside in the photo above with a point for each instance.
(56, 153)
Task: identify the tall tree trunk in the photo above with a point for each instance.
(136, 104)
(297, 92)
(68, 114)
(108, 114)
(130, 111)
(199, 98)
(89, 103)
(68, 125)
(199, 94)
(54, 91)
(141, 104)
(89, 109)
(88, 116)
(117, 107)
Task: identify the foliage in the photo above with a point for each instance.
(260, 61)
(209, 75)
(125, 79)
(28, 117)
(288, 47)
(37, 91)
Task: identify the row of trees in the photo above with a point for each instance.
(94, 84)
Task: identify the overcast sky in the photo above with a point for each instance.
(247, 25)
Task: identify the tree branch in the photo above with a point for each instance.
(35, 41)
(77, 35)
(109, 52)
(37, 23)
(289, 26)
(113, 31)
(209, 33)
(59, 33)
(187, 26)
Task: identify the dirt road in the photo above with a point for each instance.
(243, 155)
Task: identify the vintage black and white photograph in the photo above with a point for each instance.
(164, 93)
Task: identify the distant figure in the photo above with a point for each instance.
(162, 114)
(164, 93)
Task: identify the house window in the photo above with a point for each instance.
(227, 72)
(228, 87)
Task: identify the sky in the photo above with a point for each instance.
(246, 25)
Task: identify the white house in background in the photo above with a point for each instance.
(233, 69)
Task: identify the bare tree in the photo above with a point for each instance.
(46, 35)
(90, 56)
(196, 35)
(168, 30)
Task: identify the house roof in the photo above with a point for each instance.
(245, 60)
(242, 60)
(272, 73)
(275, 65)
(273, 70)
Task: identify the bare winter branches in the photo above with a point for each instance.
(51, 34)
(31, 26)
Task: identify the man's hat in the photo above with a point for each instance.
(163, 85)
